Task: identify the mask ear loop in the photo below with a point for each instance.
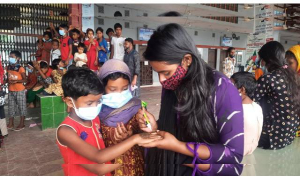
(73, 103)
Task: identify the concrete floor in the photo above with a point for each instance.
(32, 152)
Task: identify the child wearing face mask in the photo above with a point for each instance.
(16, 95)
(79, 136)
(65, 45)
(80, 57)
(253, 116)
(118, 116)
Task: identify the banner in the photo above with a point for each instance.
(88, 16)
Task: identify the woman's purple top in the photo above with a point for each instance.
(226, 156)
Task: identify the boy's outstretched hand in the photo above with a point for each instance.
(142, 120)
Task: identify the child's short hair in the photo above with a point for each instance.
(81, 45)
(75, 31)
(43, 65)
(49, 34)
(16, 53)
(79, 82)
(109, 30)
(64, 26)
(115, 76)
(55, 63)
(246, 80)
(55, 40)
(117, 25)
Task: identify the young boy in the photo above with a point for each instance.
(253, 116)
(16, 94)
(79, 135)
(55, 52)
(80, 57)
(117, 44)
(65, 45)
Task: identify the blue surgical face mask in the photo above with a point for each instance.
(29, 70)
(12, 60)
(49, 40)
(62, 32)
(116, 100)
(61, 68)
(87, 113)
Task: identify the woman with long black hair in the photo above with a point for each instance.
(201, 116)
(278, 94)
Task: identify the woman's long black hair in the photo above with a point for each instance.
(273, 54)
(170, 43)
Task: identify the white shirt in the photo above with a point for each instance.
(82, 57)
(54, 54)
(118, 44)
(253, 122)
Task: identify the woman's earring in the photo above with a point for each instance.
(240, 94)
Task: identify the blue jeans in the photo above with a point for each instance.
(70, 63)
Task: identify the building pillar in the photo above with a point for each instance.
(75, 15)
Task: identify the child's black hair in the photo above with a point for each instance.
(129, 40)
(55, 40)
(81, 45)
(55, 63)
(66, 27)
(117, 25)
(16, 53)
(80, 82)
(43, 65)
(88, 30)
(49, 34)
(246, 80)
(115, 76)
(75, 31)
(109, 30)
(99, 29)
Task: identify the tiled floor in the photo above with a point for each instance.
(34, 152)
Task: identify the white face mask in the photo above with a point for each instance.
(87, 113)
(117, 100)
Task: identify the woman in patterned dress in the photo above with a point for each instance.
(278, 94)
(201, 115)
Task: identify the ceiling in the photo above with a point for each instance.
(192, 16)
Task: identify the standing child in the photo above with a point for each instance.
(16, 94)
(80, 57)
(79, 135)
(92, 46)
(118, 110)
(65, 45)
(102, 48)
(253, 117)
(55, 52)
(117, 43)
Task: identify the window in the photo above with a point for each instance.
(101, 21)
(127, 13)
(101, 9)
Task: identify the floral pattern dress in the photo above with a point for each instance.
(280, 119)
(56, 88)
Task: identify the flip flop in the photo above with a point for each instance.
(10, 128)
(19, 129)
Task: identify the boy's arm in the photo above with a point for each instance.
(69, 138)
(111, 52)
(100, 169)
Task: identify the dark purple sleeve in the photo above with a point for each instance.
(226, 156)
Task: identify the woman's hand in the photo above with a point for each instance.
(36, 65)
(142, 120)
(121, 133)
(96, 63)
(168, 142)
(146, 138)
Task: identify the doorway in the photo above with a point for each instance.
(146, 69)
(212, 58)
